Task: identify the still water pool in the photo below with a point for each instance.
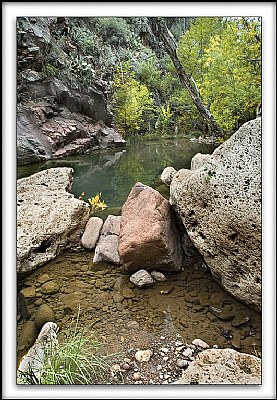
(114, 172)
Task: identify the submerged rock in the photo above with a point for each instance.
(142, 278)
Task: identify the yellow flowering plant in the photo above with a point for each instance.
(95, 203)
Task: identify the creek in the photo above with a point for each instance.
(110, 305)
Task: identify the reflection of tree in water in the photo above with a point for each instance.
(143, 164)
(114, 172)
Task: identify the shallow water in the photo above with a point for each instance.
(109, 302)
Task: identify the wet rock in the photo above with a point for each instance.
(44, 314)
(128, 293)
(239, 320)
(225, 315)
(142, 278)
(73, 301)
(43, 278)
(158, 276)
(27, 336)
(26, 298)
(236, 343)
(143, 355)
(49, 218)
(222, 366)
(92, 232)
(50, 287)
(149, 237)
(220, 206)
(191, 299)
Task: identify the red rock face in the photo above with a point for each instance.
(149, 238)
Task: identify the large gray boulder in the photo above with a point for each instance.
(219, 202)
(149, 238)
(49, 218)
(223, 366)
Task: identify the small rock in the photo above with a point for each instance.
(91, 233)
(187, 353)
(200, 343)
(240, 320)
(50, 287)
(143, 355)
(44, 314)
(142, 278)
(43, 278)
(164, 349)
(158, 276)
(136, 376)
(133, 325)
(128, 293)
(182, 363)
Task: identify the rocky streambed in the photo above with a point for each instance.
(164, 318)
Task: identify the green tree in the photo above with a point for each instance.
(132, 101)
(224, 57)
(232, 79)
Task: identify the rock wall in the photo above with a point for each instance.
(219, 202)
(49, 218)
(57, 115)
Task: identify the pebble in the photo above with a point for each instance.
(187, 353)
(143, 355)
(164, 350)
(182, 363)
(136, 376)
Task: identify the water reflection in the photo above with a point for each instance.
(114, 172)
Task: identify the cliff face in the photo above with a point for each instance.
(60, 110)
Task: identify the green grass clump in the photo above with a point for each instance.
(79, 360)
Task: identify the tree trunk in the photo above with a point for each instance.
(162, 34)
